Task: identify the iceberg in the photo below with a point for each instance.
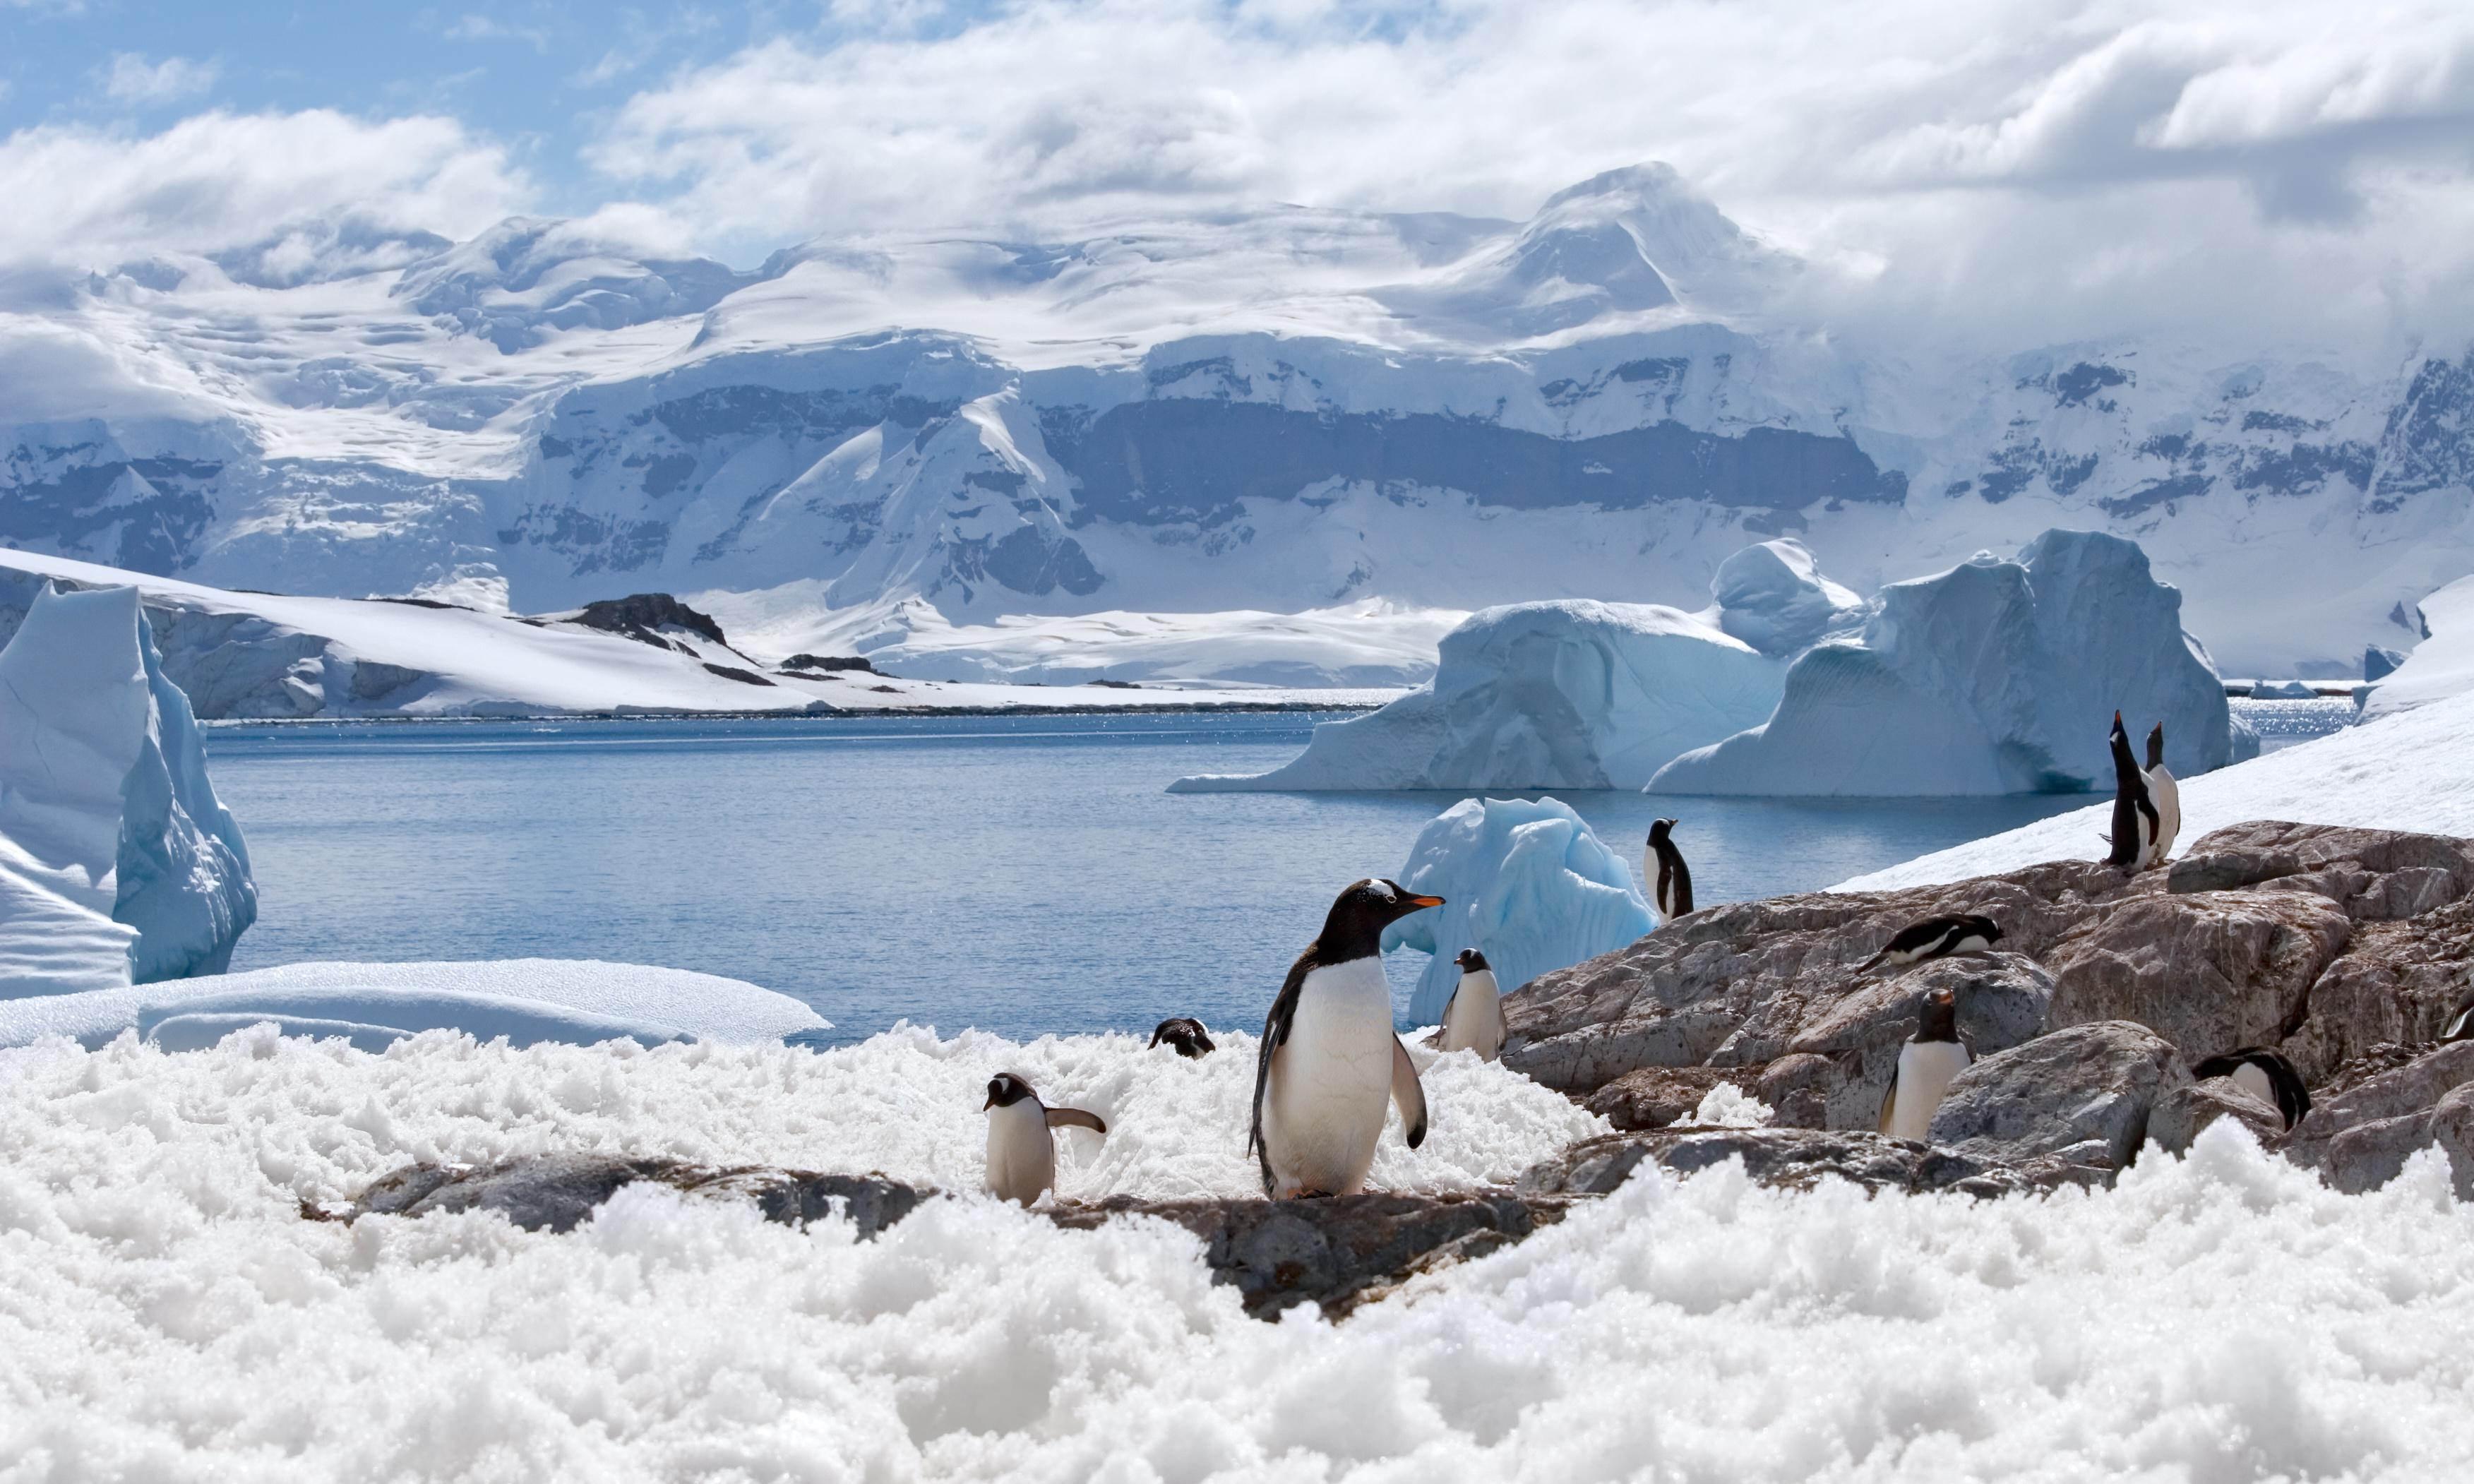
(1525, 883)
(1566, 695)
(118, 866)
(1994, 677)
(1774, 598)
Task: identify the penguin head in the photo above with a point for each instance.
(1355, 927)
(1470, 961)
(2117, 729)
(2156, 745)
(1660, 830)
(1004, 1090)
(1938, 1021)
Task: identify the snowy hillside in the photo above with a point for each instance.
(1283, 411)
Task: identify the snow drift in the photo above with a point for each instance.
(1570, 694)
(1994, 677)
(172, 1315)
(1525, 883)
(117, 864)
(373, 1004)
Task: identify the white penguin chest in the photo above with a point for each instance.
(1474, 1020)
(1332, 1079)
(2251, 1080)
(1925, 1071)
(1022, 1159)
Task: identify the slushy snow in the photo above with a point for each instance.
(2410, 770)
(169, 1313)
(1569, 695)
(1994, 677)
(117, 864)
(1525, 883)
(580, 1001)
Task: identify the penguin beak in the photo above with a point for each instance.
(1413, 903)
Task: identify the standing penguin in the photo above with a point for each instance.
(2263, 1074)
(1328, 1057)
(1022, 1157)
(1927, 1063)
(1663, 872)
(1473, 1016)
(2164, 794)
(2134, 813)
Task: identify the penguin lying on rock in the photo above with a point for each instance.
(2263, 1074)
(1328, 1058)
(1022, 1155)
(1185, 1034)
(1927, 1063)
(1936, 938)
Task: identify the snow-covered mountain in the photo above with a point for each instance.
(1287, 410)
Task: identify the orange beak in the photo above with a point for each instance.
(1424, 901)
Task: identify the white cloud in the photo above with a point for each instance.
(132, 79)
(88, 197)
(481, 28)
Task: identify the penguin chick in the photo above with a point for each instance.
(1928, 1061)
(2263, 1074)
(1021, 1155)
(1328, 1058)
(1473, 1016)
(2164, 794)
(2133, 836)
(1663, 872)
(1936, 938)
(1186, 1035)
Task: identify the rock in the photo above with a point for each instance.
(1795, 1158)
(2229, 870)
(2209, 971)
(2003, 1000)
(1797, 1089)
(2356, 852)
(2378, 663)
(830, 663)
(2396, 983)
(2088, 1083)
(2359, 1138)
(2186, 1108)
(1656, 1096)
(643, 616)
(554, 1192)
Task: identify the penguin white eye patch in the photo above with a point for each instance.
(1381, 889)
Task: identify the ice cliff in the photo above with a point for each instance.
(1994, 677)
(118, 862)
(1525, 883)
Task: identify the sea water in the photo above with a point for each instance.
(1020, 874)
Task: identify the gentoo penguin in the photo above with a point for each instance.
(1663, 872)
(2134, 813)
(2461, 1025)
(1186, 1035)
(1473, 1016)
(1022, 1159)
(1936, 938)
(2164, 794)
(1328, 1057)
(2264, 1075)
(1931, 1059)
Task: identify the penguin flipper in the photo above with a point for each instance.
(1076, 1118)
(1408, 1094)
(1275, 1033)
(1889, 1104)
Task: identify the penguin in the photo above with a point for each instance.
(1927, 1063)
(2461, 1025)
(1022, 1157)
(2265, 1075)
(1185, 1034)
(1663, 872)
(1936, 938)
(1473, 1016)
(2134, 813)
(1328, 1058)
(2164, 794)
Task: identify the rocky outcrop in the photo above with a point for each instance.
(1798, 1158)
(2332, 945)
(643, 616)
(2359, 1134)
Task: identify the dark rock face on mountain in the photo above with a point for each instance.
(643, 616)
(2345, 949)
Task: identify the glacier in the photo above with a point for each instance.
(1996, 676)
(1524, 882)
(118, 864)
(1572, 694)
(2441, 665)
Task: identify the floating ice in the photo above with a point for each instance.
(118, 862)
(1993, 677)
(1568, 694)
(1525, 883)
(526, 1000)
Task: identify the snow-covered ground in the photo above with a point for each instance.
(169, 1313)
(2410, 770)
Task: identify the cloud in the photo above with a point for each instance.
(88, 197)
(481, 28)
(132, 79)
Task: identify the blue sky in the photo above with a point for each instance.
(2060, 164)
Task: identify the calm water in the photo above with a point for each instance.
(1025, 875)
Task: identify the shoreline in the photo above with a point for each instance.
(834, 714)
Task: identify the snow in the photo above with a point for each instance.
(1569, 695)
(578, 1000)
(118, 862)
(1994, 677)
(2410, 771)
(170, 1314)
(1526, 882)
(2442, 665)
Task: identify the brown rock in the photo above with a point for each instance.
(1796, 1158)
(2092, 1086)
(2209, 971)
(2361, 1136)
(2397, 981)
(2181, 1111)
(2003, 1000)
(1656, 1096)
